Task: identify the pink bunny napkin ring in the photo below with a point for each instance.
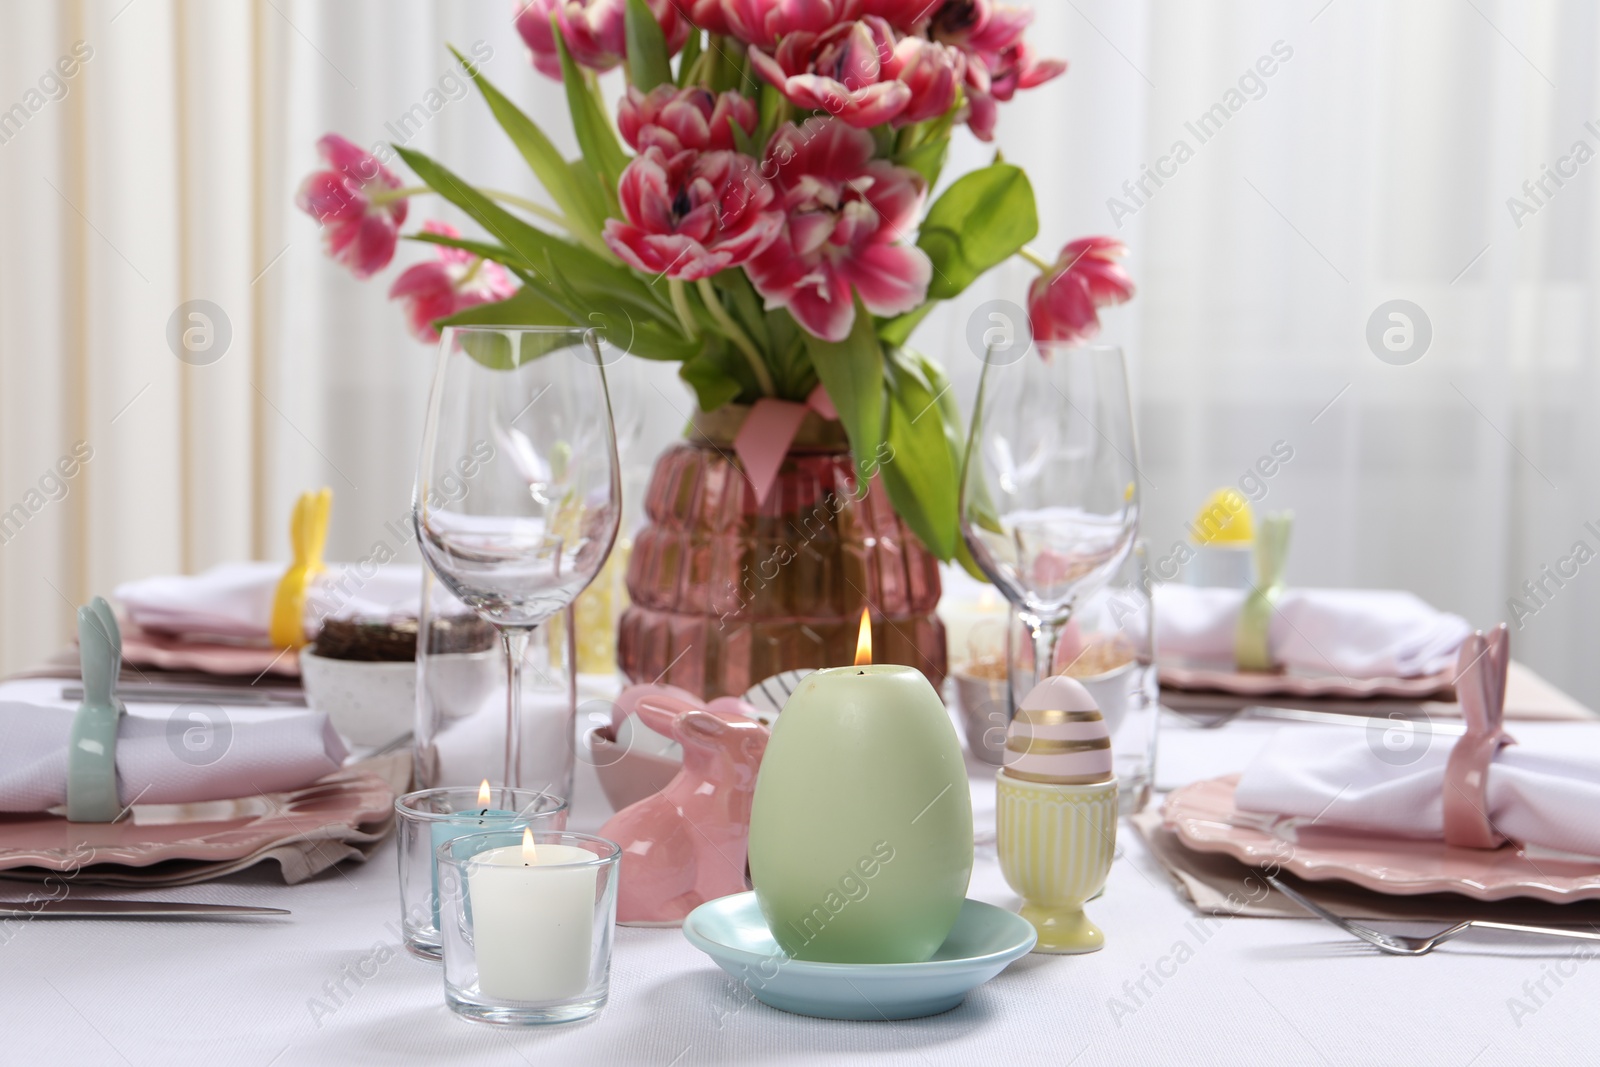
(1481, 691)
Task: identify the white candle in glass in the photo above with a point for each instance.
(533, 920)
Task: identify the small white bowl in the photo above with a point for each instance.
(983, 712)
(461, 683)
(368, 703)
(983, 706)
(629, 773)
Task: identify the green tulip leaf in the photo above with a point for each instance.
(852, 372)
(596, 138)
(921, 468)
(648, 65)
(573, 194)
(979, 223)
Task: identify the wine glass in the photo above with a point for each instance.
(1050, 487)
(519, 492)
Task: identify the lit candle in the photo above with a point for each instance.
(468, 821)
(861, 827)
(533, 920)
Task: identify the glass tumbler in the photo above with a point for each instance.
(527, 927)
(430, 817)
(1109, 646)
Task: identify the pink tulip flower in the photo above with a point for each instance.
(533, 24)
(1064, 302)
(763, 22)
(932, 72)
(908, 15)
(842, 72)
(999, 60)
(359, 234)
(675, 119)
(708, 15)
(594, 31)
(692, 214)
(454, 281)
(847, 217)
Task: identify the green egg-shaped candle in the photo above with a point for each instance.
(861, 830)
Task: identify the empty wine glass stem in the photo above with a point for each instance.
(514, 642)
(1045, 632)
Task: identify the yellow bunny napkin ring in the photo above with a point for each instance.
(308, 534)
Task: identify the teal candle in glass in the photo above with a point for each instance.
(471, 821)
(861, 829)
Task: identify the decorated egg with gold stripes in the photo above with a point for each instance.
(1058, 736)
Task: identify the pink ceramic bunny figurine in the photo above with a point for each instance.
(686, 844)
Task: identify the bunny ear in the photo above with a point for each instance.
(96, 657)
(108, 618)
(701, 725)
(91, 632)
(317, 534)
(730, 709)
(660, 712)
(299, 527)
(1498, 663)
(1471, 671)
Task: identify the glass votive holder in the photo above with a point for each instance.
(430, 817)
(527, 926)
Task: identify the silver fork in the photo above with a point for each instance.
(1396, 945)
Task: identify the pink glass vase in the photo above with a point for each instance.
(727, 592)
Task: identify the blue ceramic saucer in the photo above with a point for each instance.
(732, 931)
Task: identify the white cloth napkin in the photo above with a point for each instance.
(1358, 633)
(234, 600)
(167, 759)
(1392, 783)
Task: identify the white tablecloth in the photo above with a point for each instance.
(331, 984)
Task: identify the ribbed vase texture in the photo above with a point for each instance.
(727, 592)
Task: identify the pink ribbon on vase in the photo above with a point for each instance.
(769, 430)
(1481, 691)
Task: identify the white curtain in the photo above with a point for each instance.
(1373, 163)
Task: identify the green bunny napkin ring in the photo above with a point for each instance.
(1252, 642)
(92, 755)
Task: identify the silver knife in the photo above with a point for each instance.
(70, 908)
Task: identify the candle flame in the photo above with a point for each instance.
(528, 853)
(483, 794)
(864, 640)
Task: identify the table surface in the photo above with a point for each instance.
(331, 984)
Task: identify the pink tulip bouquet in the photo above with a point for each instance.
(757, 212)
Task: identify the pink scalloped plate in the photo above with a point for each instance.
(1262, 684)
(1204, 817)
(344, 803)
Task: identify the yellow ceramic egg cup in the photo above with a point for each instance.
(1056, 843)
